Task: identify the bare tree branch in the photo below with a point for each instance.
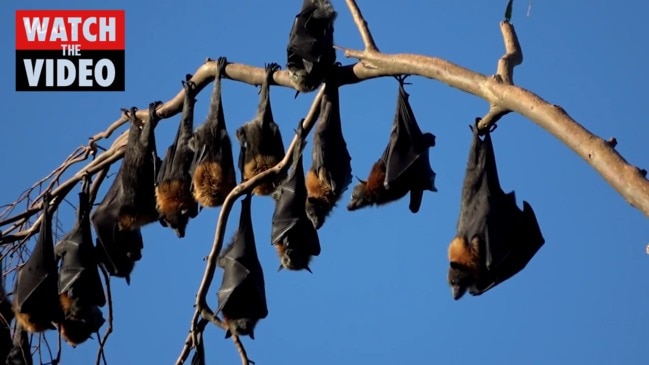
(363, 28)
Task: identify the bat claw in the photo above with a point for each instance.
(402, 79)
(221, 62)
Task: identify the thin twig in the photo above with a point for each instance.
(363, 28)
(109, 320)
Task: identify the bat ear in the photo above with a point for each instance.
(162, 222)
(252, 335)
(308, 269)
(228, 334)
(359, 180)
(280, 268)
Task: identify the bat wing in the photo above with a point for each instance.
(289, 206)
(329, 146)
(78, 262)
(301, 43)
(243, 287)
(117, 250)
(20, 354)
(511, 236)
(36, 284)
(168, 162)
(407, 142)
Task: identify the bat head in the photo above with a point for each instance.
(292, 258)
(241, 327)
(177, 221)
(78, 328)
(460, 278)
(303, 80)
(317, 211)
(360, 197)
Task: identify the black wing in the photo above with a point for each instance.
(79, 272)
(329, 146)
(117, 250)
(179, 156)
(242, 293)
(37, 281)
(290, 223)
(20, 353)
(511, 237)
(311, 36)
(407, 142)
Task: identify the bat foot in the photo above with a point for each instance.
(221, 62)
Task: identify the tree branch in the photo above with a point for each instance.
(361, 24)
(625, 178)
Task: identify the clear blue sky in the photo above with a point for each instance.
(378, 293)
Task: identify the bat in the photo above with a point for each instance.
(6, 316)
(331, 171)
(199, 352)
(80, 289)
(174, 199)
(138, 200)
(116, 250)
(213, 166)
(310, 52)
(20, 353)
(292, 233)
(404, 165)
(36, 303)
(242, 295)
(261, 141)
(495, 239)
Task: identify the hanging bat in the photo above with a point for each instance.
(174, 199)
(331, 171)
(20, 353)
(213, 167)
(6, 316)
(261, 141)
(116, 250)
(293, 235)
(138, 201)
(495, 239)
(310, 52)
(404, 166)
(36, 303)
(242, 295)
(80, 290)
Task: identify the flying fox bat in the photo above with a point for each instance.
(404, 166)
(20, 353)
(6, 316)
(80, 290)
(213, 167)
(36, 303)
(310, 52)
(242, 295)
(261, 141)
(174, 199)
(293, 235)
(116, 250)
(495, 239)
(138, 201)
(331, 171)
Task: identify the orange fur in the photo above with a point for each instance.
(258, 165)
(128, 222)
(73, 332)
(173, 196)
(212, 184)
(463, 253)
(375, 180)
(318, 187)
(280, 248)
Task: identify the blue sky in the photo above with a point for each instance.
(378, 293)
